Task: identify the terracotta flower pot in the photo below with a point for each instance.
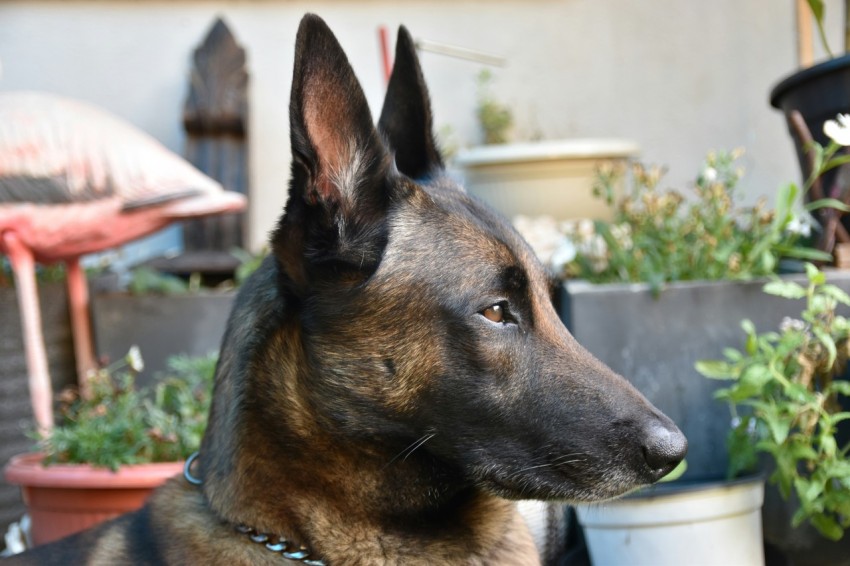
(67, 498)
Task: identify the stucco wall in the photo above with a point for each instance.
(677, 77)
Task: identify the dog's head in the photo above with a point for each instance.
(425, 319)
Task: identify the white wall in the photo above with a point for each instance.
(679, 77)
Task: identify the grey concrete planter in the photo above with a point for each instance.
(160, 325)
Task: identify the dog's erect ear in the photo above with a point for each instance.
(406, 118)
(338, 192)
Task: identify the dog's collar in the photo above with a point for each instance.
(280, 545)
(273, 543)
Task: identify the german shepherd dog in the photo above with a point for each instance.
(394, 375)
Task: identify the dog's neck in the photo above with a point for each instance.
(334, 501)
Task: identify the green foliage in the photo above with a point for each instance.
(145, 280)
(248, 263)
(116, 423)
(676, 472)
(784, 383)
(447, 142)
(659, 236)
(819, 11)
(54, 273)
(495, 118)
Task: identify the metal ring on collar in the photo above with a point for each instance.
(187, 472)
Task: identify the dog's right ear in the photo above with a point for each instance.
(406, 120)
(338, 193)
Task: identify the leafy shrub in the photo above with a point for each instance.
(495, 118)
(144, 280)
(115, 423)
(659, 236)
(786, 384)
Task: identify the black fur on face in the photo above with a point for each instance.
(515, 407)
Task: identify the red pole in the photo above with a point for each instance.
(384, 38)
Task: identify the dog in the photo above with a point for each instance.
(394, 376)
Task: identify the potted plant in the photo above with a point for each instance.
(786, 403)
(809, 98)
(680, 265)
(537, 177)
(789, 398)
(819, 91)
(707, 253)
(113, 446)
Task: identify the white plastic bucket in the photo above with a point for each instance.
(711, 524)
(552, 178)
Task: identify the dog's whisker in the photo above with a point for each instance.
(560, 459)
(423, 441)
(570, 462)
(410, 448)
(532, 468)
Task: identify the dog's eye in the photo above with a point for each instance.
(497, 313)
(494, 313)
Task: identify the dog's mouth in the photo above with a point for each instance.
(549, 483)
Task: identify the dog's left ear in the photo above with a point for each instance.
(339, 190)
(406, 121)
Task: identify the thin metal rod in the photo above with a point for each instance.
(460, 52)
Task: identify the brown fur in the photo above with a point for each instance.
(366, 404)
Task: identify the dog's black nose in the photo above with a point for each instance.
(664, 448)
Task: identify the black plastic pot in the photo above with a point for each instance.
(819, 93)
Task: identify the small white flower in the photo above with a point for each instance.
(586, 228)
(838, 130)
(799, 225)
(789, 323)
(622, 233)
(134, 359)
(541, 233)
(15, 540)
(709, 174)
(597, 250)
(568, 227)
(751, 427)
(563, 255)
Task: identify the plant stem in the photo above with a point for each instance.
(846, 26)
(817, 8)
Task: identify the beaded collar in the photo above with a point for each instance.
(273, 543)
